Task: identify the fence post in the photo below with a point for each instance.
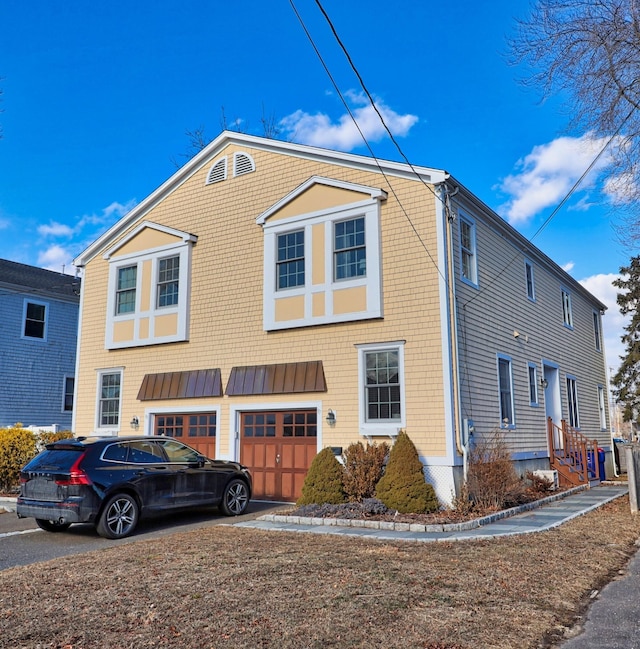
(633, 475)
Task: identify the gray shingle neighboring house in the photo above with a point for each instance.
(38, 336)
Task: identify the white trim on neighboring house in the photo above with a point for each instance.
(234, 421)
(45, 322)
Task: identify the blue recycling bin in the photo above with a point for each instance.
(591, 464)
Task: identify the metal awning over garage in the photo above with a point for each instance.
(181, 385)
(281, 378)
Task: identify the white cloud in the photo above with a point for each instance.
(55, 230)
(568, 267)
(613, 322)
(108, 216)
(547, 174)
(56, 258)
(319, 130)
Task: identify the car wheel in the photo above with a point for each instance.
(119, 517)
(235, 498)
(52, 526)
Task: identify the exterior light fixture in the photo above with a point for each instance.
(135, 422)
(544, 383)
(331, 418)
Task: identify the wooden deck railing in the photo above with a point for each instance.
(573, 455)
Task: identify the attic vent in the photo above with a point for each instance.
(218, 172)
(243, 164)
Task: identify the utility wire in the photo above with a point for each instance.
(374, 157)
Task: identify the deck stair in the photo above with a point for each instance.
(573, 455)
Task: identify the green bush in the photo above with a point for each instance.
(363, 468)
(17, 447)
(403, 487)
(323, 482)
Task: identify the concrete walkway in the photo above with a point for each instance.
(555, 512)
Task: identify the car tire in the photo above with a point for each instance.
(119, 517)
(235, 498)
(52, 526)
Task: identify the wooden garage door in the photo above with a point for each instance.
(197, 429)
(278, 447)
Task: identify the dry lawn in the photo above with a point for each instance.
(237, 588)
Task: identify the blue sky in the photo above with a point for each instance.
(97, 99)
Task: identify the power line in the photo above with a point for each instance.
(364, 139)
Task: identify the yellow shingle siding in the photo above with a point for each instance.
(226, 310)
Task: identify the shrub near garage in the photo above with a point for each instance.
(363, 468)
(17, 447)
(323, 482)
(403, 487)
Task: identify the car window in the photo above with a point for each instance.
(54, 460)
(177, 452)
(143, 452)
(116, 452)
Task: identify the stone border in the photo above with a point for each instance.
(419, 527)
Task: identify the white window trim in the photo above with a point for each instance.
(64, 393)
(534, 367)
(528, 264)
(571, 378)
(602, 408)
(597, 331)
(370, 210)
(182, 250)
(567, 310)
(382, 429)
(471, 281)
(510, 425)
(45, 331)
(108, 430)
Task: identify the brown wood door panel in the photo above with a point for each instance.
(278, 462)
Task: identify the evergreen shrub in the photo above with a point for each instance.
(363, 468)
(403, 487)
(323, 482)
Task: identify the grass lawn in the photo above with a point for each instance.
(227, 587)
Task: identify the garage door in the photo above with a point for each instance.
(196, 429)
(278, 448)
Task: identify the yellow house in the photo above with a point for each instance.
(272, 299)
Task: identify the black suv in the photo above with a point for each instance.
(113, 481)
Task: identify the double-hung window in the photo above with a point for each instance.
(168, 281)
(35, 320)
(567, 315)
(601, 408)
(505, 385)
(126, 289)
(290, 260)
(109, 387)
(572, 402)
(382, 406)
(468, 256)
(350, 251)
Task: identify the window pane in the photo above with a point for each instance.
(290, 264)
(350, 259)
(168, 281)
(506, 405)
(126, 293)
(383, 386)
(35, 320)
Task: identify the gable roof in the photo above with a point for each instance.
(21, 278)
(212, 150)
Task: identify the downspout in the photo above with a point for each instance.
(461, 445)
